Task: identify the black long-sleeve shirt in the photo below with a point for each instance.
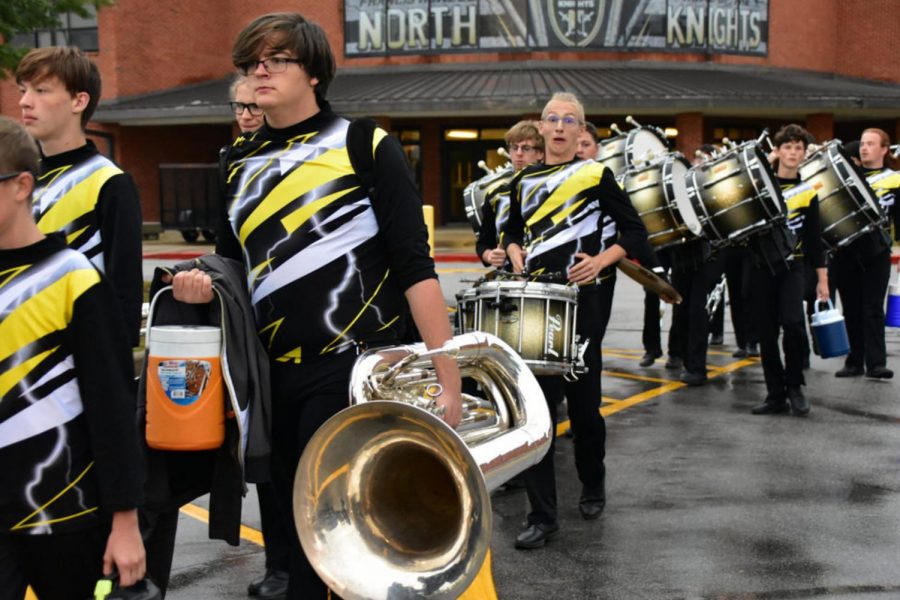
(327, 260)
(557, 211)
(68, 443)
(95, 204)
(802, 209)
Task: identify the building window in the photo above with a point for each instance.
(73, 30)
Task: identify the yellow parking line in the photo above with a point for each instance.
(201, 514)
(625, 375)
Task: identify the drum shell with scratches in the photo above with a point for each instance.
(659, 196)
(537, 319)
(847, 206)
(735, 194)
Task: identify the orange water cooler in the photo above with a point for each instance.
(185, 394)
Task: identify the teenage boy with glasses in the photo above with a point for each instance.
(336, 251)
(79, 191)
(556, 213)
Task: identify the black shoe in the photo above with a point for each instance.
(536, 535)
(693, 379)
(771, 406)
(740, 353)
(850, 372)
(674, 362)
(716, 340)
(880, 373)
(271, 587)
(753, 350)
(591, 509)
(799, 403)
(649, 358)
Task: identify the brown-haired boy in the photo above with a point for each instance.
(79, 191)
(70, 481)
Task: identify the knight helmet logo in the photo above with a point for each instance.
(576, 22)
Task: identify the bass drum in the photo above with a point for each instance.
(475, 193)
(735, 195)
(640, 146)
(659, 194)
(537, 319)
(848, 208)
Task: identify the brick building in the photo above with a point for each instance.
(449, 76)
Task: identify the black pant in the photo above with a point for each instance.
(690, 324)
(778, 302)
(303, 397)
(651, 337)
(606, 291)
(588, 426)
(862, 286)
(275, 528)
(735, 263)
(60, 566)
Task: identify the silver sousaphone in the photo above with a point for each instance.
(389, 501)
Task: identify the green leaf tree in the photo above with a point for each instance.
(22, 16)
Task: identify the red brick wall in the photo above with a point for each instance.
(690, 133)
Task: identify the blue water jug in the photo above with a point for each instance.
(830, 332)
(892, 314)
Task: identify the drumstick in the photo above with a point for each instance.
(630, 120)
(483, 165)
(502, 152)
(615, 128)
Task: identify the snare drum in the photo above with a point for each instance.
(637, 147)
(735, 195)
(659, 194)
(848, 208)
(536, 319)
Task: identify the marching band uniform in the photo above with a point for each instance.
(557, 211)
(777, 292)
(301, 216)
(692, 275)
(495, 212)
(861, 272)
(606, 280)
(90, 199)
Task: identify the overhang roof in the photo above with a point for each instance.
(516, 88)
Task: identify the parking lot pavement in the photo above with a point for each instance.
(705, 501)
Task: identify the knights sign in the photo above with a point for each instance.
(378, 27)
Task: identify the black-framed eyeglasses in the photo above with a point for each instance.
(273, 64)
(238, 108)
(5, 176)
(526, 148)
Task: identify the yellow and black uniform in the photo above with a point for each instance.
(495, 212)
(68, 444)
(329, 252)
(95, 204)
(555, 212)
(777, 293)
(861, 272)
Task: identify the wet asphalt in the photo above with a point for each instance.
(705, 500)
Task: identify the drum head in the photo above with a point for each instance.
(679, 170)
(644, 146)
